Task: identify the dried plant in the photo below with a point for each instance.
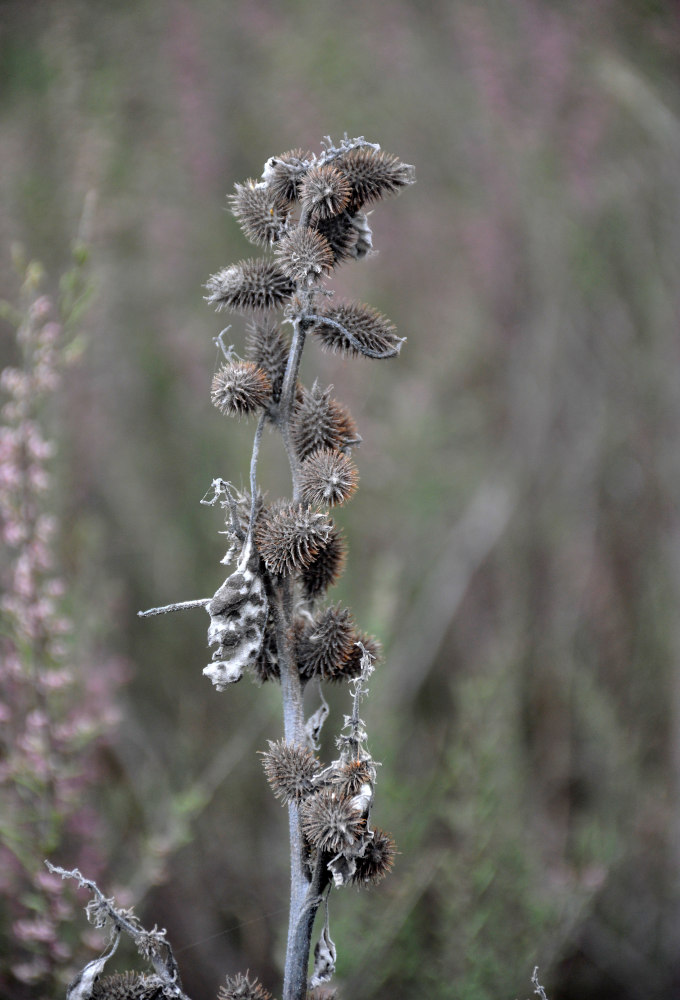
(266, 618)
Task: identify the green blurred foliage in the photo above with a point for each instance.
(514, 541)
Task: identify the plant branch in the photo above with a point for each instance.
(356, 344)
(178, 606)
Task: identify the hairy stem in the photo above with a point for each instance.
(300, 933)
(253, 468)
(297, 950)
(287, 403)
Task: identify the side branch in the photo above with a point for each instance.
(356, 344)
(179, 606)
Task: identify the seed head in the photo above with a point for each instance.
(352, 667)
(260, 213)
(249, 285)
(330, 822)
(326, 644)
(129, 986)
(268, 349)
(290, 771)
(370, 333)
(304, 255)
(283, 174)
(377, 859)
(349, 778)
(321, 422)
(289, 536)
(326, 567)
(241, 987)
(327, 478)
(340, 234)
(371, 173)
(324, 191)
(239, 388)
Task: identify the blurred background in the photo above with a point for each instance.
(515, 543)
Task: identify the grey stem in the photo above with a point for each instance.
(288, 396)
(300, 933)
(253, 471)
(299, 928)
(179, 606)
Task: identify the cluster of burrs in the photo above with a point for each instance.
(310, 212)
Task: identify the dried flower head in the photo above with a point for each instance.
(377, 859)
(129, 986)
(283, 174)
(330, 822)
(321, 422)
(260, 213)
(326, 567)
(352, 667)
(289, 535)
(239, 388)
(327, 478)
(372, 173)
(290, 771)
(249, 285)
(241, 987)
(304, 255)
(349, 778)
(341, 235)
(268, 349)
(322, 993)
(353, 328)
(324, 191)
(326, 644)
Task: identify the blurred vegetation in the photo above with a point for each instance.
(516, 538)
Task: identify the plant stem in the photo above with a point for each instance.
(300, 921)
(287, 403)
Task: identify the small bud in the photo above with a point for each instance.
(260, 213)
(328, 478)
(329, 822)
(351, 776)
(326, 567)
(290, 771)
(372, 173)
(129, 986)
(352, 667)
(241, 987)
(364, 331)
(341, 235)
(377, 859)
(289, 536)
(283, 174)
(322, 422)
(326, 645)
(324, 191)
(239, 388)
(304, 255)
(249, 285)
(267, 348)
(322, 993)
